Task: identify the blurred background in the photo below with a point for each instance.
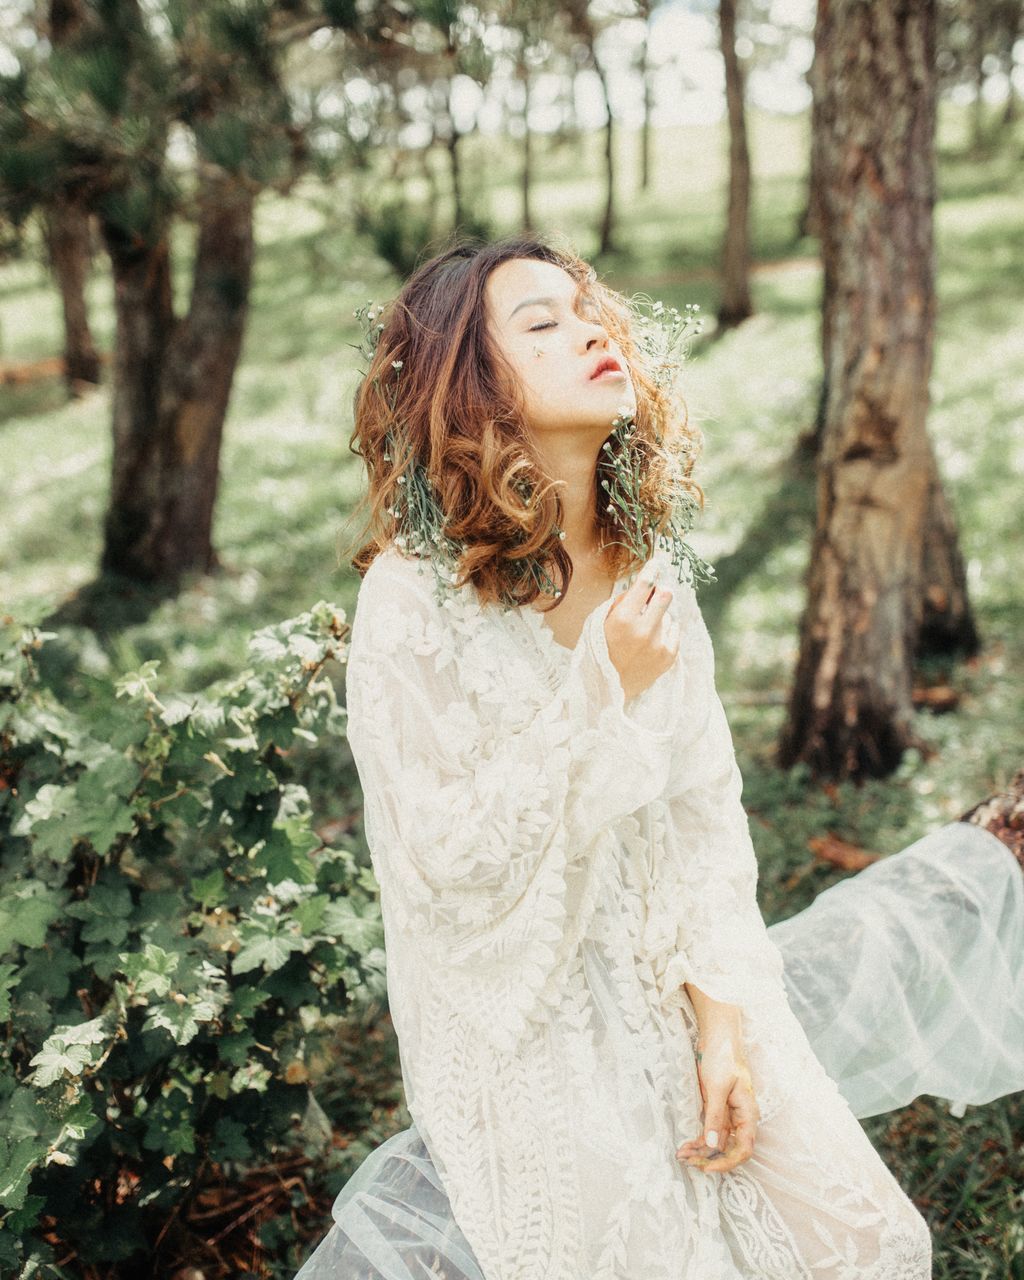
(194, 201)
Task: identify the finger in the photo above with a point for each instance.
(716, 1118)
(646, 582)
(649, 618)
(745, 1117)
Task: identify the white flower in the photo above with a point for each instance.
(396, 364)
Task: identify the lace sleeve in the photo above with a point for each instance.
(482, 839)
(704, 925)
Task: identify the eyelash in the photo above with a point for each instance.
(546, 324)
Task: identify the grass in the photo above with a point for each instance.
(289, 482)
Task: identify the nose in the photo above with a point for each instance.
(596, 334)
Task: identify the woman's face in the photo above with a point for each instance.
(556, 350)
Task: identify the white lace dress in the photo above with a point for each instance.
(553, 865)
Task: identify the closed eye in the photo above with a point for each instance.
(546, 324)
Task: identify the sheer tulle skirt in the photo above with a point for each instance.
(907, 978)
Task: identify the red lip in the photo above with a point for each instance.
(607, 362)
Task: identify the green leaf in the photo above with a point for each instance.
(103, 811)
(310, 914)
(67, 1049)
(360, 932)
(135, 684)
(104, 912)
(19, 1222)
(229, 1141)
(27, 915)
(51, 820)
(17, 1161)
(151, 971)
(7, 981)
(246, 1000)
(179, 1019)
(284, 855)
(208, 891)
(266, 950)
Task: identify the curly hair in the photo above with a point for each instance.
(437, 383)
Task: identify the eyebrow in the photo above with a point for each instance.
(537, 302)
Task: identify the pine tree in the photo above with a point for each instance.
(88, 122)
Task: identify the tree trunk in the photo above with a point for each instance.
(809, 221)
(810, 444)
(172, 383)
(1014, 32)
(454, 164)
(606, 236)
(850, 711)
(978, 26)
(645, 126)
(455, 169)
(526, 177)
(735, 305)
(67, 234)
(68, 246)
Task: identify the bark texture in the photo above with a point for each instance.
(947, 619)
(735, 305)
(172, 383)
(850, 710)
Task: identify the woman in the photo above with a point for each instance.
(606, 1076)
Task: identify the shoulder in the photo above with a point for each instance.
(402, 604)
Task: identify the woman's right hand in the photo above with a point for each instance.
(642, 641)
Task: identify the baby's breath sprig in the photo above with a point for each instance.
(372, 327)
(622, 484)
(623, 462)
(663, 334)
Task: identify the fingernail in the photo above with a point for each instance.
(712, 1138)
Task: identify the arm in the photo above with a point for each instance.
(705, 931)
(486, 840)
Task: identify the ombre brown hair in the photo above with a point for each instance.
(456, 404)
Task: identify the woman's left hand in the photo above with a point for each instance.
(731, 1112)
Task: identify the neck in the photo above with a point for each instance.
(574, 468)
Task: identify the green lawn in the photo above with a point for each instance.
(288, 482)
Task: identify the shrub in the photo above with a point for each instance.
(176, 941)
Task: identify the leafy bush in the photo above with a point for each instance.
(176, 942)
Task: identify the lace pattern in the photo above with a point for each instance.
(554, 864)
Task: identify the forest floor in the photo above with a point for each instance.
(288, 483)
